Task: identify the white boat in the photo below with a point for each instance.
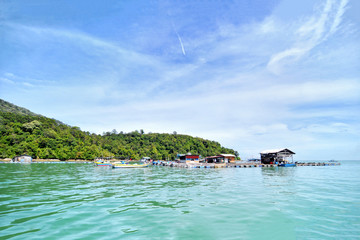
(128, 164)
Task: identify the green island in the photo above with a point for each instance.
(24, 132)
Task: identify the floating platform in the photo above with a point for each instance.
(239, 165)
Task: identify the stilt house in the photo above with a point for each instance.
(221, 158)
(188, 158)
(274, 156)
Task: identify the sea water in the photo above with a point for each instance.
(80, 201)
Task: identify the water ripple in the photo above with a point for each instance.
(79, 201)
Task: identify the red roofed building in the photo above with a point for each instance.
(189, 158)
(221, 158)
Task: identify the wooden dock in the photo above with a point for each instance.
(237, 165)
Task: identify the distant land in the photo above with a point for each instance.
(25, 132)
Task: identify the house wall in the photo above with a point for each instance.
(218, 159)
(230, 159)
(221, 158)
(192, 158)
(192, 161)
(189, 159)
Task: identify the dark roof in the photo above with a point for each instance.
(277, 151)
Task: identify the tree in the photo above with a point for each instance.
(154, 152)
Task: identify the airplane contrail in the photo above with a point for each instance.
(182, 46)
(177, 34)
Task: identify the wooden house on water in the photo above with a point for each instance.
(22, 159)
(188, 158)
(221, 158)
(275, 156)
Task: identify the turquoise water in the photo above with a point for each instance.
(80, 201)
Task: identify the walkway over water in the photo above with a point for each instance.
(237, 165)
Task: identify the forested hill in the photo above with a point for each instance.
(9, 107)
(24, 132)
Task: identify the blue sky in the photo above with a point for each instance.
(252, 75)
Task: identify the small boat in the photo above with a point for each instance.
(287, 165)
(102, 163)
(127, 164)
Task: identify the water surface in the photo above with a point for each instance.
(80, 201)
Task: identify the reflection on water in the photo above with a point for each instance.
(278, 171)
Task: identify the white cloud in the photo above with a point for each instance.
(309, 34)
(85, 49)
(329, 128)
(268, 26)
(11, 78)
(6, 80)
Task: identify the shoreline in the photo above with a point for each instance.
(184, 165)
(8, 160)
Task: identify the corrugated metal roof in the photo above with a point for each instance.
(222, 155)
(227, 155)
(275, 151)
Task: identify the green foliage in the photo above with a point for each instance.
(29, 127)
(23, 132)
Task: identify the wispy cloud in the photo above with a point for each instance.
(73, 35)
(6, 80)
(90, 40)
(24, 81)
(310, 33)
(94, 59)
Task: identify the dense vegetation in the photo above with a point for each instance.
(23, 132)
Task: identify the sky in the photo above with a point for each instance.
(250, 74)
